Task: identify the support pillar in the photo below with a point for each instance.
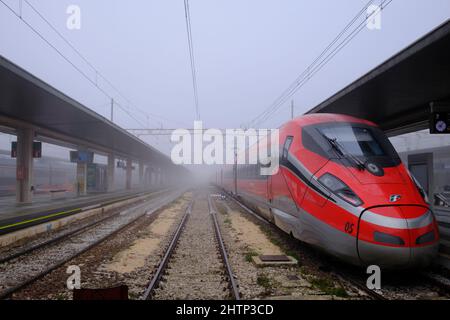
(81, 179)
(141, 173)
(129, 174)
(163, 178)
(110, 169)
(24, 166)
(152, 176)
(147, 176)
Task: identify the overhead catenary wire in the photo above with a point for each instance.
(78, 53)
(317, 68)
(261, 117)
(286, 91)
(192, 57)
(325, 56)
(43, 38)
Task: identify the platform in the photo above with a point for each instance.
(14, 217)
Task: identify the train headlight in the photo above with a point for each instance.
(388, 238)
(339, 188)
(426, 238)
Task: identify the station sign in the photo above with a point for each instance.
(123, 165)
(20, 173)
(440, 119)
(81, 156)
(14, 149)
(37, 149)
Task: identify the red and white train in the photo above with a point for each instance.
(342, 187)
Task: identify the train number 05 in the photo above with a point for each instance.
(349, 227)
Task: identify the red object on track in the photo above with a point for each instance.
(115, 293)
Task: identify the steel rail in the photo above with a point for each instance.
(437, 279)
(154, 283)
(243, 206)
(361, 286)
(8, 292)
(64, 212)
(76, 231)
(232, 281)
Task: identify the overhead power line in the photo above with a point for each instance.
(192, 57)
(77, 52)
(338, 43)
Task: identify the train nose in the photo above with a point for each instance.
(397, 237)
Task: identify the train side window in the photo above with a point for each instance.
(287, 145)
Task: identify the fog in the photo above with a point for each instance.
(246, 53)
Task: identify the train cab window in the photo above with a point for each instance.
(287, 145)
(337, 140)
(357, 141)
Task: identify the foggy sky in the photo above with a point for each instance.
(247, 53)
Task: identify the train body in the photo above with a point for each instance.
(342, 187)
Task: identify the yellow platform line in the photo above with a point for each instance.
(63, 212)
(39, 218)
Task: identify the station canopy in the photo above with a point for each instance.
(397, 94)
(27, 99)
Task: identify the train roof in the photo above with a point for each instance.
(317, 118)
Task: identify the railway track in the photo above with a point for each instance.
(6, 257)
(423, 281)
(232, 282)
(399, 286)
(361, 286)
(206, 273)
(165, 260)
(440, 280)
(48, 216)
(34, 263)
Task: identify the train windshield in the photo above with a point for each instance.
(354, 141)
